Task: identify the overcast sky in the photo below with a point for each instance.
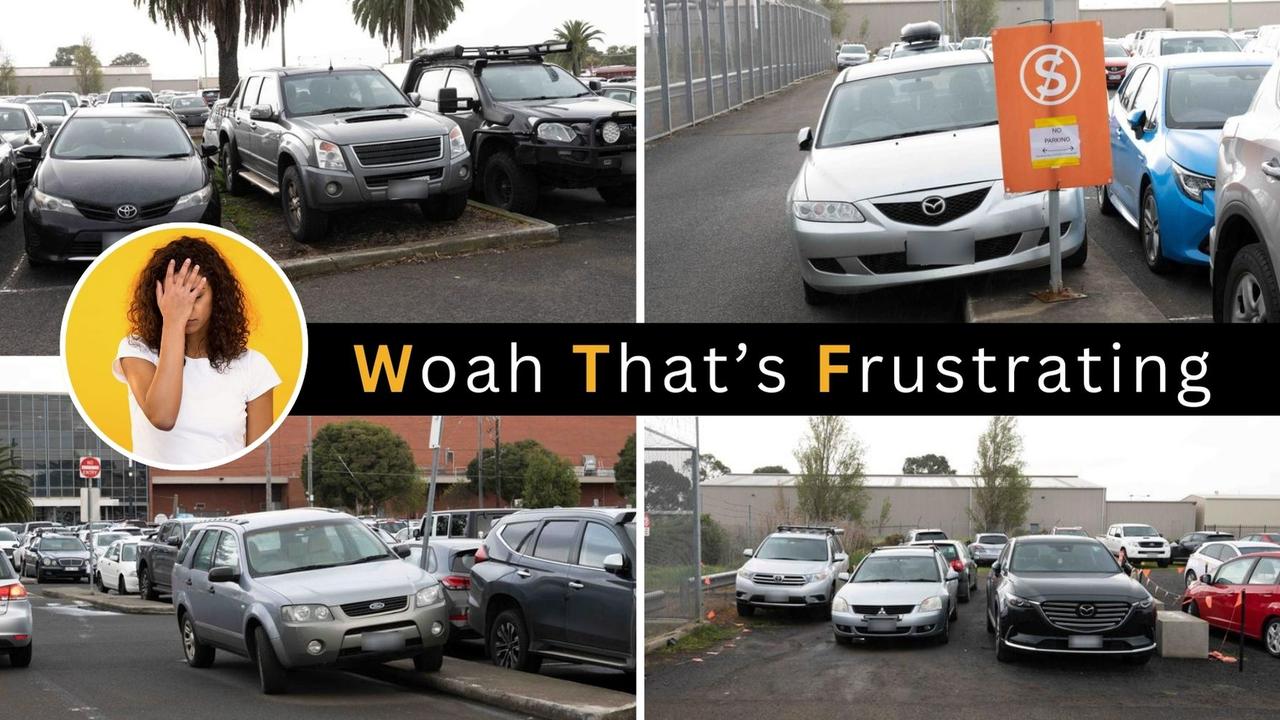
(1164, 458)
(317, 29)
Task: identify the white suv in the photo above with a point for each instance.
(1209, 557)
(795, 567)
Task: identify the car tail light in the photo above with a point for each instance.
(456, 582)
(481, 554)
(957, 566)
(13, 592)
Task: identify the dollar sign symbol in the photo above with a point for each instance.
(1054, 81)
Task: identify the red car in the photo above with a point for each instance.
(1271, 537)
(1116, 61)
(1218, 601)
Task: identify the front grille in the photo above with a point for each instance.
(108, 213)
(771, 579)
(400, 151)
(390, 604)
(380, 181)
(912, 213)
(883, 609)
(896, 262)
(1115, 68)
(1066, 615)
(85, 248)
(1151, 544)
(70, 563)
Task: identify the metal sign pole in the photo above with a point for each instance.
(1055, 229)
(437, 421)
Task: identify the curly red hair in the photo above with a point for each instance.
(228, 335)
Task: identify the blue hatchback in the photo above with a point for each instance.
(1166, 121)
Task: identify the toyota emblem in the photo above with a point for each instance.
(1086, 610)
(127, 211)
(933, 205)
(377, 605)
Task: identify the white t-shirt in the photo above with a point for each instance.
(211, 418)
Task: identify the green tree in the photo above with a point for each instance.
(15, 495)
(1002, 494)
(770, 469)
(64, 56)
(509, 483)
(975, 17)
(256, 18)
(87, 67)
(549, 481)
(360, 465)
(715, 543)
(928, 464)
(8, 75)
(709, 466)
(886, 510)
(624, 472)
(864, 30)
(835, 9)
(579, 35)
(830, 483)
(665, 488)
(129, 58)
(384, 19)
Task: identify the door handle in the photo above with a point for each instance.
(523, 573)
(253, 125)
(188, 581)
(576, 585)
(1271, 168)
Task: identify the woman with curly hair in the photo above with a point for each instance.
(197, 393)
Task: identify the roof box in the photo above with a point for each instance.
(927, 31)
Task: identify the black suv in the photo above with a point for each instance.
(559, 584)
(529, 123)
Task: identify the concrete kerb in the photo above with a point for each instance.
(534, 232)
(667, 638)
(128, 604)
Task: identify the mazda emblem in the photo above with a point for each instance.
(127, 211)
(377, 605)
(1086, 610)
(933, 205)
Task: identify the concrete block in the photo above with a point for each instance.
(1179, 635)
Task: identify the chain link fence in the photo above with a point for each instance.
(672, 525)
(703, 57)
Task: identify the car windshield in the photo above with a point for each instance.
(1246, 549)
(1071, 531)
(1197, 44)
(1139, 531)
(631, 532)
(105, 539)
(897, 568)
(781, 547)
(48, 109)
(931, 535)
(12, 120)
(1062, 557)
(313, 547)
(1113, 49)
(131, 96)
(853, 48)
(1203, 98)
(129, 552)
(7, 535)
(971, 43)
(99, 138)
(6, 568)
(531, 81)
(188, 102)
(59, 544)
(948, 551)
(348, 91)
(907, 104)
(992, 539)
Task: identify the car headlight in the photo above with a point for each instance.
(840, 605)
(1146, 604)
(930, 603)
(457, 143)
(822, 575)
(827, 212)
(744, 573)
(428, 596)
(556, 132)
(329, 156)
(1193, 185)
(1018, 602)
(49, 203)
(610, 132)
(306, 613)
(196, 199)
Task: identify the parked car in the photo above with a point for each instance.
(851, 54)
(1266, 537)
(463, 523)
(1210, 556)
(1266, 42)
(793, 568)
(303, 588)
(72, 100)
(450, 562)
(1074, 530)
(622, 92)
(1216, 598)
(529, 124)
(1115, 60)
(210, 95)
(8, 541)
(1185, 546)
(98, 543)
(957, 557)
(925, 534)
(190, 109)
(919, 38)
(560, 584)
(8, 182)
(52, 113)
(1135, 542)
(157, 556)
(117, 569)
(56, 556)
(974, 42)
(897, 592)
(19, 126)
(1244, 244)
(1181, 42)
(986, 547)
(109, 171)
(130, 95)
(17, 624)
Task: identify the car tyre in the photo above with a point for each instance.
(618, 195)
(954, 614)
(746, 609)
(197, 653)
(1105, 206)
(1162, 563)
(1271, 637)
(272, 676)
(508, 185)
(991, 627)
(429, 661)
(944, 637)
(1004, 653)
(306, 224)
(444, 207)
(120, 589)
(508, 643)
(1191, 609)
(1149, 232)
(10, 209)
(97, 580)
(964, 593)
(145, 589)
(816, 297)
(1251, 282)
(1078, 258)
(21, 657)
(229, 161)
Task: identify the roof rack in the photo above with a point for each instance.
(501, 52)
(811, 528)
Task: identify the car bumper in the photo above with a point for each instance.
(1148, 553)
(1007, 234)
(580, 166)
(16, 624)
(749, 592)
(916, 624)
(361, 187)
(985, 558)
(1184, 224)
(412, 631)
(67, 237)
(1027, 629)
(75, 572)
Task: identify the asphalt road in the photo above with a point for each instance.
(789, 667)
(718, 249)
(95, 665)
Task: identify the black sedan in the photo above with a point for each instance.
(56, 556)
(19, 126)
(1191, 542)
(112, 170)
(1058, 594)
(8, 182)
(190, 109)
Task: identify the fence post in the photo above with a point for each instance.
(737, 40)
(706, 57)
(688, 58)
(724, 56)
(664, 75)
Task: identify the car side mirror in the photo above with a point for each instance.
(1206, 578)
(748, 552)
(173, 542)
(417, 534)
(615, 563)
(415, 98)
(208, 151)
(261, 112)
(841, 557)
(805, 139)
(447, 101)
(402, 551)
(224, 574)
(1137, 121)
(35, 152)
(39, 127)
(996, 568)
(952, 575)
(844, 577)
(499, 118)
(595, 86)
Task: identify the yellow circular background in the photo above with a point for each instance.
(97, 319)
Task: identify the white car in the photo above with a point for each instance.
(8, 541)
(118, 568)
(1206, 560)
(99, 542)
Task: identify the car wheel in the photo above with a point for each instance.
(120, 586)
(1104, 202)
(619, 195)
(1078, 258)
(145, 588)
(944, 637)
(1191, 609)
(444, 207)
(1139, 659)
(197, 653)
(1271, 636)
(991, 628)
(964, 593)
(306, 224)
(429, 661)
(1004, 653)
(272, 677)
(814, 296)
(955, 613)
(10, 209)
(746, 609)
(21, 657)
(97, 579)
(1149, 230)
(508, 643)
(229, 161)
(1252, 292)
(509, 186)
(1162, 563)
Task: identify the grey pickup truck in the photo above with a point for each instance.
(331, 139)
(156, 556)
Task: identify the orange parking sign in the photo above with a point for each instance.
(1051, 99)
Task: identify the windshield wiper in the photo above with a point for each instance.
(368, 558)
(302, 568)
(388, 107)
(171, 155)
(877, 580)
(348, 108)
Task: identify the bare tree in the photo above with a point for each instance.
(1002, 494)
(975, 17)
(830, 482)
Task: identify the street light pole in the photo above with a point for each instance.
(436, 422)
(311, 464)
(480, 456)
(283, 5)
(268, 505)
(406, 37)
(1055, 230)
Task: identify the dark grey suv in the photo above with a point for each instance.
(557, 584)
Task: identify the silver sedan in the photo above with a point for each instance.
(16, 626)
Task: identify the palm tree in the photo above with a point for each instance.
(191, 17)
(385, 18)
(15, 500)
(579, 35)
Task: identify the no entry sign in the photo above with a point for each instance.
(90, 467)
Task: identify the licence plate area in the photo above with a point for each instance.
(777, 597)
(383, 641)
(408, 189)
(1084, 642)
(882, 625)
(943, 247)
